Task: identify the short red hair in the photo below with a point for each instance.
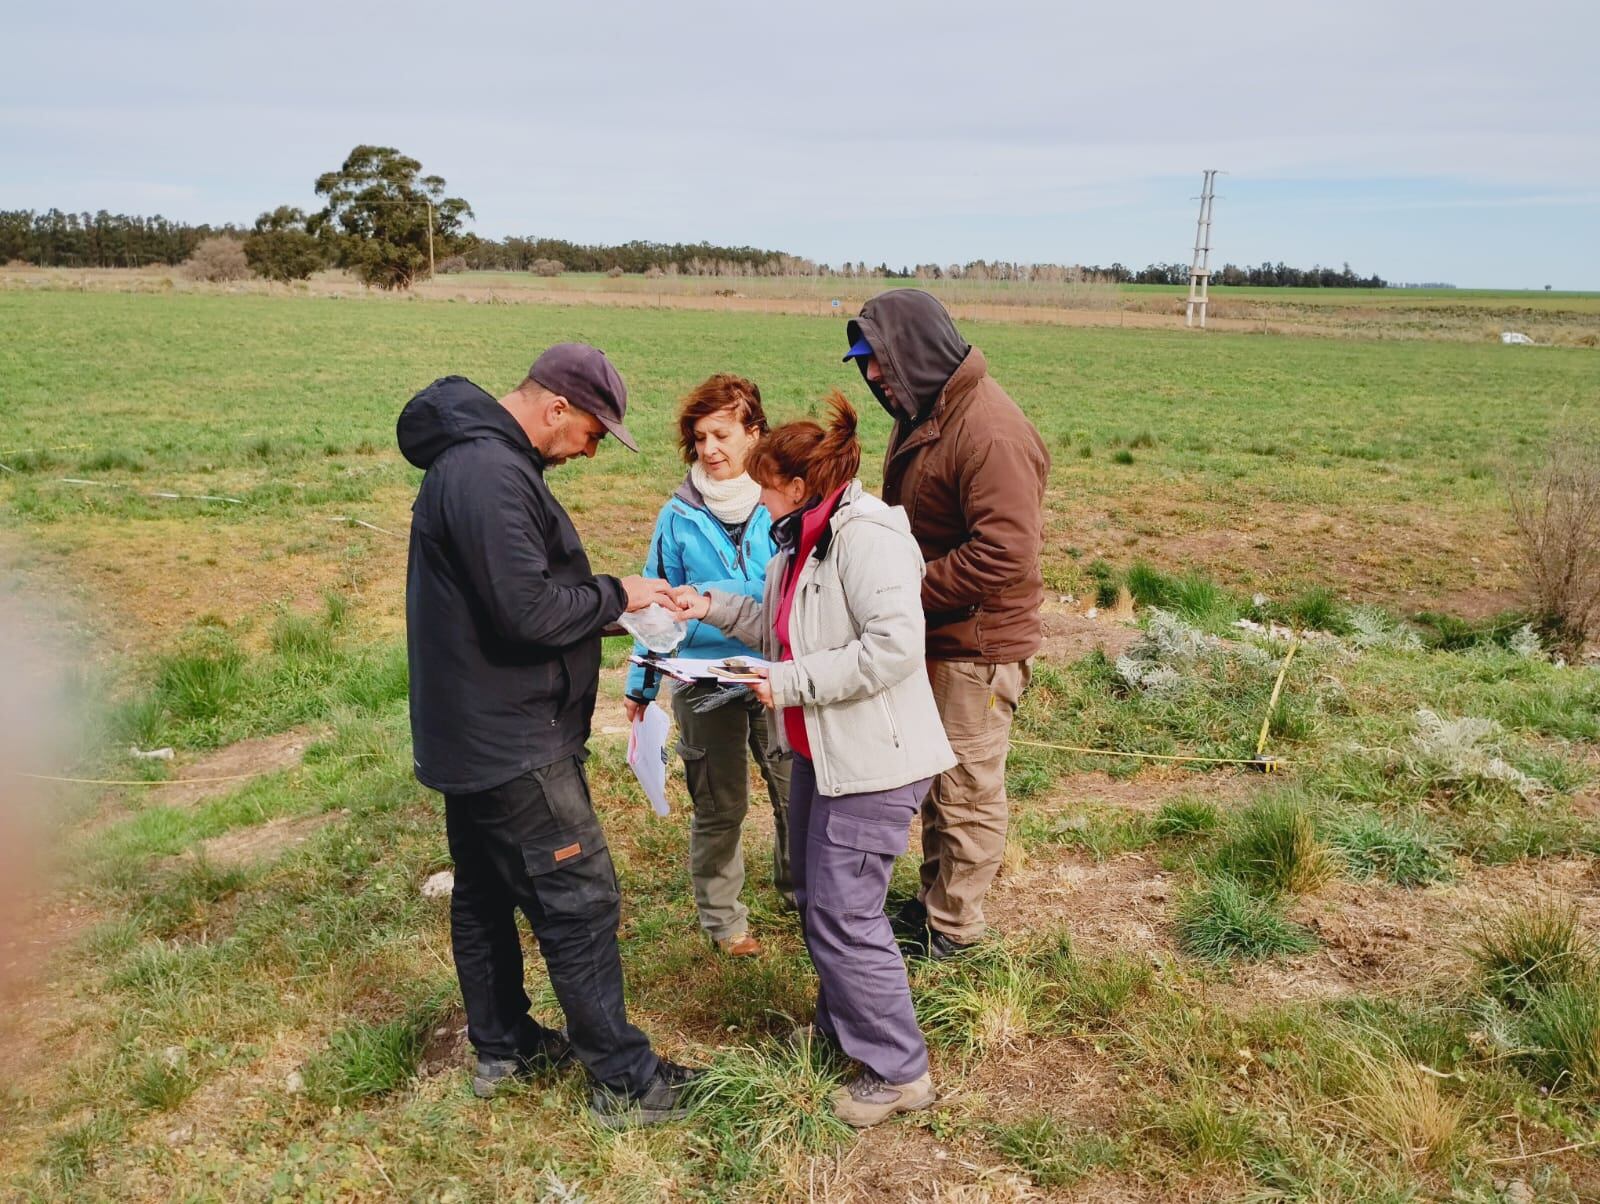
(724, 391)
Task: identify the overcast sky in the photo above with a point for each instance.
(1422, 140)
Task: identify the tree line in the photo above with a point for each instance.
(100, 240)
(389, 225)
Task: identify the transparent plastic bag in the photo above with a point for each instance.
(655, 628)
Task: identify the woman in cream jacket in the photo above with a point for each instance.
(840, 621)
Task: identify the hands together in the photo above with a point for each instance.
(682, 602)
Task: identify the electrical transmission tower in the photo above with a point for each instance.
(1200, 270)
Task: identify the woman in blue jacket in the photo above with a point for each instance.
(714, 533)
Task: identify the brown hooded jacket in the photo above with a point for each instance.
(971, 471)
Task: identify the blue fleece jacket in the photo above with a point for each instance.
(690, 547)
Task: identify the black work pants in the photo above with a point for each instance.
(535, 843)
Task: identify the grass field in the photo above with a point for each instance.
(1372, 976)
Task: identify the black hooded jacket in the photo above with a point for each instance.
(503, 616)
(917, 348)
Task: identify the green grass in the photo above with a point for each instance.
(1348, 481)
(1224, 918)
(1052, 1155)
(1273, 846)
(367, 1060)
(1526, 950)
(344, 367)
(1407, 854)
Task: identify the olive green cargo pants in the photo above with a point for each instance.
(716, 747)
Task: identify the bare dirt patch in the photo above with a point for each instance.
(1070, 635)
(264, 842)
(1117, 904)
(447, 1049)
(225, 770)
(1146, 790)
(1378, 937)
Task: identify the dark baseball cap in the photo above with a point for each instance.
(584, 376)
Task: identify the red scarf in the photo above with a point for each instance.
(812, 525)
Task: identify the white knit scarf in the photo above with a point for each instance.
(732, 501)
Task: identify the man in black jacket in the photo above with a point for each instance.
(503, 623)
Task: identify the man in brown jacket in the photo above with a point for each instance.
(971, 471)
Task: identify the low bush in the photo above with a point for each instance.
(217, 260)
(1556, 508)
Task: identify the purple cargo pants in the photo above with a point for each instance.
(843, 850)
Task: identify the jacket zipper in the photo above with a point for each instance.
(795, 653)
(888, 713)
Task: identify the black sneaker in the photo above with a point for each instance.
(937, 947)
(554, 1052)
(910, 921)
(664, 1098)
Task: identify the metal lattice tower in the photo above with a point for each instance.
(1200, 270)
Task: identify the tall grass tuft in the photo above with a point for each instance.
(1525, 950)
(162, 1083)
(1225, 919)
(1193, 596)
(1400, 1104)
(988, 1000)
(1317, 609)
(1204, 1129)
(201, 683)
(771, 1101)
(1273, 845)
(366, 1060)
(1560, 1035)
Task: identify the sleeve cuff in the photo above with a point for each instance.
(784, 677)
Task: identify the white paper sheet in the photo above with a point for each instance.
(647, 755)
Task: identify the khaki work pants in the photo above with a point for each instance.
(964, 815)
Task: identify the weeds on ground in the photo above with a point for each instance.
(1224, 918)
(211, 691)
(1053, 1155)
(767, 1106)
(367, 1060)
(1004, 992)
(1192, 597)
(1407, 853)
(1184, 817)
(1541, 994)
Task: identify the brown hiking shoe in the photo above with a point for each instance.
(866, 1099)
(743, 945)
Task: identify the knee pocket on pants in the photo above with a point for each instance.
(574, 880)
(849, 871)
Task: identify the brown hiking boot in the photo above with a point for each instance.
(743, 945)
(866, 1099)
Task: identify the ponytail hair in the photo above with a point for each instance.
(824, 459)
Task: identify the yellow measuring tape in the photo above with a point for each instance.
(1260, 761)
(45, 777)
